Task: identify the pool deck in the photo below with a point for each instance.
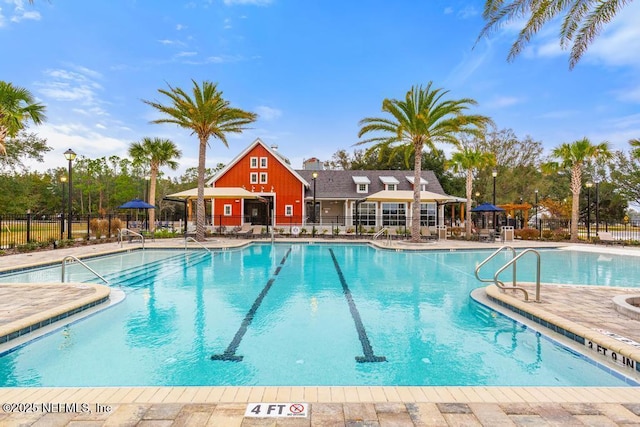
(585, 311)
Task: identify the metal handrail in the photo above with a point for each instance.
(490, 257)
(121, 232)
(514, 287)
(186, 239)
(64, 263)
(380, 233)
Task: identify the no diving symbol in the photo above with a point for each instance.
(296, 408)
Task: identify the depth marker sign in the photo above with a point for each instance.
(271, 410)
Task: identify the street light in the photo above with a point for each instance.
(597, 207)
(589, 185)
(313, 229)
(70, 155)
(536, 191)
(63, 179)
(494, 174)
(146, 198)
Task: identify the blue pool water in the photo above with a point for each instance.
(306, 315)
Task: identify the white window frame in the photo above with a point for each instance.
(264, 161)
(265, 176)
(228, 210)
(391, 187)
(362, 188)
(288, 210)
(253, 177)
(253, 163)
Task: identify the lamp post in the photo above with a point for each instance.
(589, 185)
(597, 207)
(494, 174)
(313, 227)
(70, 155)
(536, 214)
(63, 179)
(477, 203)
(146, 198)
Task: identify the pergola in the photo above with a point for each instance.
(511, 208)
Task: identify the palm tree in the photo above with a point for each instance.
(469, 160)
(635, 150)
(207, 114)
(583, 21)
(155, 152)
(17, 106)
(573, 156)
(421, 120)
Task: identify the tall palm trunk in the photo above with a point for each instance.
(200, 211)
(469, 189)
(576, 186)
(153, 176)
(415, 209)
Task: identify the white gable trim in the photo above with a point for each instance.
(211, 182)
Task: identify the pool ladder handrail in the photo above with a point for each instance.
(380, 233)
(513, 262)
(121, 232)
(68, 257)
(189, 238)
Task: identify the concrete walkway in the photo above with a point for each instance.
(578, 309)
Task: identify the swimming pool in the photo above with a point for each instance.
(299, 314)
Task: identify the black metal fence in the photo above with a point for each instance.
(16, 230)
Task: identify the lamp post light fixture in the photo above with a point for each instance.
(494, 173)
(63, 179)
(589, 185)
(70, 155)
(313, 227)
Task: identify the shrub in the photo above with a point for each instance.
(99, 227)
(527, 234)
(457, 231)
(336, 231)
(350, 230)
(303, 230)
(547, 234)
(560, 234)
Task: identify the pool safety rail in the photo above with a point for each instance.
(127, 231)
(74, 259)
(191, 239)
(513, 262)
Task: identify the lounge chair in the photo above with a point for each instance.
(486, 235)
(426, 234)
(607, 238)
(245, 231)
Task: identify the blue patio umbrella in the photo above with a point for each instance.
(487, 207)
(136, 204)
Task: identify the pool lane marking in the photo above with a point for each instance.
(230, 353)
(362, 333)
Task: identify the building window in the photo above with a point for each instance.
(391, 187)
(254, 162)
(363, 188)
(367, 214)
(263, 162)
(288, 210)
(394, 214)
(227, 210)
(254, 177)
(427, 214)
(263, 177)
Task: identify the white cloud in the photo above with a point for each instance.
(183, 54)
(467, 12)
(180, 27)
(17, 12)
(268, 113)
(168, 42)
(448, 10)
(631, 94)
(503, 101)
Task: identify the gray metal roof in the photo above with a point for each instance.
(338, 184)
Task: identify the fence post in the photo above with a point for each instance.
(28, 226)
(109, 225)
(88, 226)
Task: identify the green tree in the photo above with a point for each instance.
(468, 161)
(583, 20)
(207, 114)
(154, 153)
(420, 121)
(573, 157)
(17, 107)
(20, 147)
(635, 147)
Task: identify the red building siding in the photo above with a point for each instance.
(285, 187)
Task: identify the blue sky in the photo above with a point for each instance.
(311, 69)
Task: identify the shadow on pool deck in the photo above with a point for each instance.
(588, 311)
